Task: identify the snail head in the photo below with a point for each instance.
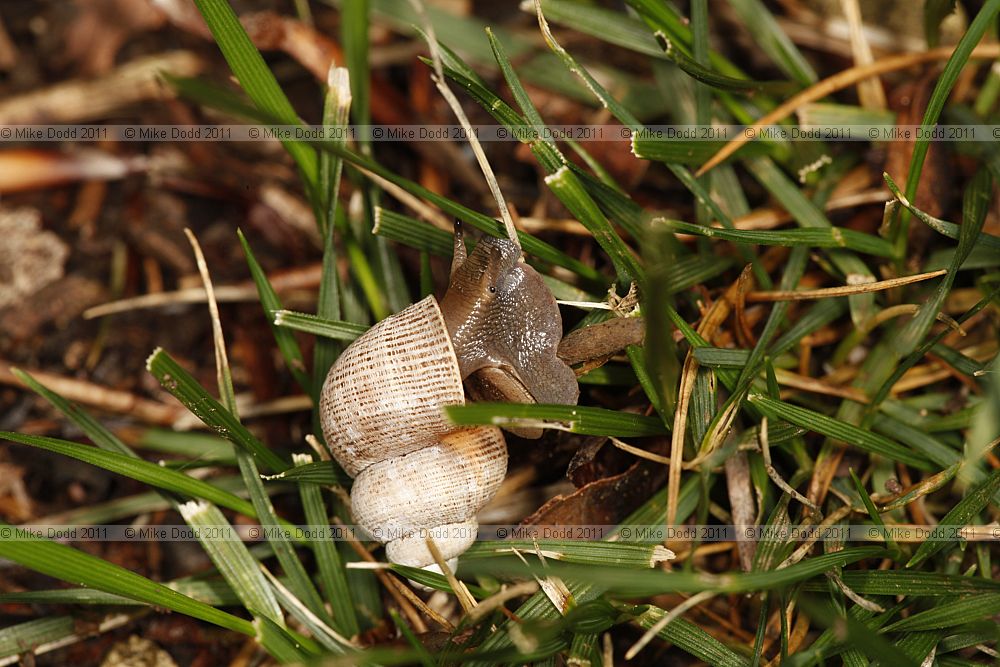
(505, 325)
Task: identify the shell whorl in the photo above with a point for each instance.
(383, 396)
(415, 473)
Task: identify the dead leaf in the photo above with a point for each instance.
(605, 501)
(30, 257)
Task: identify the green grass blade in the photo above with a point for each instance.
(97, 432)
(773, 41)
(608, 554)
(636, 582)
(690, 638)
(257, 80)
(270, 302)
(943, 227)
(320, 326)
(908, 582)
(186, 389)
(68, 564)
(648, 146)
(876, 517)
(570, 191)
(832, 237)
(531, 245)
(959, 57)
(839, 430)
(961, 514)
(137, 469)
(232, 559)
(331, 569)
(320, 472)
(808, 215)
(279, 538)
(974, 209)
(575, 419)
(950, 614)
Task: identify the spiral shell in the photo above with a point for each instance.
(380, 409)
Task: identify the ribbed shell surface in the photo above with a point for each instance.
(383, 397)
(445, 483)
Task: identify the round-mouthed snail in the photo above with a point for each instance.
(497, 329)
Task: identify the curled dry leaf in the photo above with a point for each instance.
(608, 500)
(30, 257)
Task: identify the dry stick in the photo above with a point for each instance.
(404, 597)
(816, 386)
(846, 290)
(419, 206)
(712, 320)
(769, 218)
(499, 599)
(221, 359)
(80, 100)
(641, 453)
(307, 277)
(870, 90)
(837, 82)
(456, 107)
(765, 449)
(465, 598)
(662, 623)
(103, 398)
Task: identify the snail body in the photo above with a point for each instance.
(416, 474)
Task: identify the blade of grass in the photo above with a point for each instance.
(775, 42)
(232, 559)
(943, 227)
(137, 469)
(271, 304)
(186, 389)
(336, 111)
(331, 569)
(575, 419)
(950, 614)
(974, 33)
(975, 205)
(833, 237)
(257, 80)
(961, 514)
(634, 582)
(318, 325)
(68, 564)
(239, 579)
(839, 430)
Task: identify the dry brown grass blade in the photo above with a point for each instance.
(103, 398)
(82, 100)
(869, 90)
(839, 81)
(846, 290)
(406, 599)
(710, 323)
(465, 598)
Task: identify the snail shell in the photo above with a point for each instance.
(498, 327)
(381, 414)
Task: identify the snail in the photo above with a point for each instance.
(497, 328)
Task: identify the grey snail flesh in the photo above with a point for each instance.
(416, 473)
